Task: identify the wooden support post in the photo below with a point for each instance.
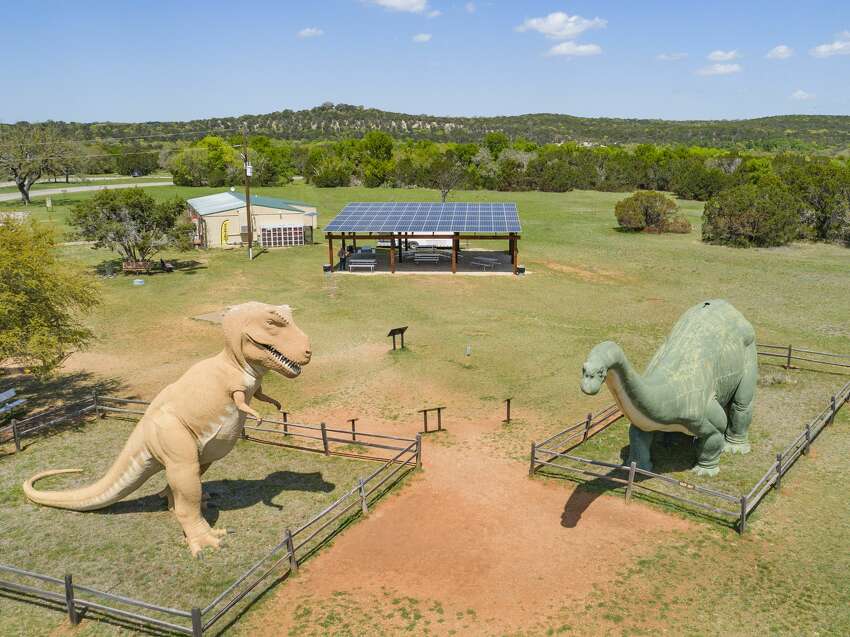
(454, 255)
(197, 623)
(16, 435)
(533, 454)
(364, 506)
(325, 439)
(354, 242)
(290, 548)
(788, 360)
(73, 617)
(402, 340)
(808, 439)
(425, 416)
(285, 415)
(778, 483)
(632, 467)
(514, 254)
(507, 410)
(353, 422)
(392, 255)
(418, 451)
(587, 424)
(331, 252)
(439, 419)
(742, 522)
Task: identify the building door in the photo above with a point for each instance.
(225, 231)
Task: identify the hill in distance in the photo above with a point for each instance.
(334, 121)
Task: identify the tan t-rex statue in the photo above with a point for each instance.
(196, 420)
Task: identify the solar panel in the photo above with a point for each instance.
(422, 217)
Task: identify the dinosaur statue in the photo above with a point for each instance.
(196, 420)
(701, 382)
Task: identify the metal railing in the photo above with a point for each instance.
(295, 547)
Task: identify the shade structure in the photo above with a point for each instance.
(399, 224)
(425, 218)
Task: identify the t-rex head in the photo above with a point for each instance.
(266, 336)
(595, 369)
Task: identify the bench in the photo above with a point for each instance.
(136, 267)
(362, 263)
(8, 402)
(426, 258)
(484, 264)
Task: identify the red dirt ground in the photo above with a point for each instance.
(474, 537)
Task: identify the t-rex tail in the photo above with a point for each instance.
(130, 470)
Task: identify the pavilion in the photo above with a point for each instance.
(400, 222)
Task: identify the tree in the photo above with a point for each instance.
(445, 172)
(650, 210)
(135, 160)
(496, 142)
(42, 299)
(762, 215)
(132, 223)
(377, 145)
(27, 153)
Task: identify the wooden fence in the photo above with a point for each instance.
(556, 449)
(282, 560)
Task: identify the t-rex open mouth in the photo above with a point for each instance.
(289, 364)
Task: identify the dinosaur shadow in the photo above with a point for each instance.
(231, 495)
(671, 452)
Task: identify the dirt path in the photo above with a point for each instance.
(471, 546)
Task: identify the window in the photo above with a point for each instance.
(281, 236)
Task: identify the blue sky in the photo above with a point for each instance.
(139, 61)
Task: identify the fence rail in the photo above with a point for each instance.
(554, 450)
(294, 548)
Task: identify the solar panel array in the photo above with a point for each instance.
(394, 217)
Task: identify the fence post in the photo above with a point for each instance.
(778, 483)
(425, 418)
(418, 451)
(285, 415)
(631, 481)
(508, 410)
(788, 359)
(353, 422)
(96, 406)
(587, 426)
(742, 525)
(533, 454)
(834, 408)
(325, 439)
(290, 547)
(364, 506)
(69, 601)
(439, 419)
(808, 439)
(16, 435)
(197, 623)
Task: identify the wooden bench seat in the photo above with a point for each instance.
(362, 263)
(136, 267)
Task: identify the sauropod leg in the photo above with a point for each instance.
(710, 434)
(741, 409)
(640, 442)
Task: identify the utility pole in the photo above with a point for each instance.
(248, 170)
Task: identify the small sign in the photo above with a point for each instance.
(398, 331)
(249, 170)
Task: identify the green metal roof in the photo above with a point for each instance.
(232, 200)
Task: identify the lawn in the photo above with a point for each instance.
(527, 337)
(136, 548)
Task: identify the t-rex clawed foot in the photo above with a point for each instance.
(209, 538)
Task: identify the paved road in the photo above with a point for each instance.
(77, 180)
(13, 196)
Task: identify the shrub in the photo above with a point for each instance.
(762, 215)
(650, 210)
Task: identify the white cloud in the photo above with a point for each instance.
(720, 69)
(409, 6)
(561, 26)
(571, 49)
(671, 57)
(470, 7)
(723, 56)
(310, 32)
(841, 46)
(780, 52)
(422, 38)
(802, 96)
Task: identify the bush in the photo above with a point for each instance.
(762, 215)
(650, 210)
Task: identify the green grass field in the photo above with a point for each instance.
(587, 282)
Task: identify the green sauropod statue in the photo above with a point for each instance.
(701, 382)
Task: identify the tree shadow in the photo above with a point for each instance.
(671, 452)
(58, 389)
(231, 495)
(109, 268)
